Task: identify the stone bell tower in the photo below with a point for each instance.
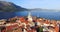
(29, 17)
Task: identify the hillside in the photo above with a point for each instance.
(10, 7)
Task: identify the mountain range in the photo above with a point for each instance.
(44, 10)
(11, 7)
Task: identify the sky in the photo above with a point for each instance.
(31, 4)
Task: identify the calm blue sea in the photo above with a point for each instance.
(47, 15)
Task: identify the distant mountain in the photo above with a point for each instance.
(44, 10)
(10, 7)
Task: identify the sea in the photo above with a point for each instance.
(47, 15)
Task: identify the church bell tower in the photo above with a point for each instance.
(29, 17)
